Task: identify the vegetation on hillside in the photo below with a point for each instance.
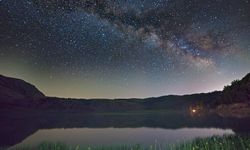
(237, 92)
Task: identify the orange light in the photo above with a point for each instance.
(193, 110)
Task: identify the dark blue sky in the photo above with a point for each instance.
(125, 48)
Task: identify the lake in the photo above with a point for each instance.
(75, 128)
(120, 136)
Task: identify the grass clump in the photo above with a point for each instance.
(231, 142)
(217, 143)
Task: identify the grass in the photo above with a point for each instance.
(217, 143)
(213, 143)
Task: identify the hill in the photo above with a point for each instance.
(237, 92)
(11, 88)
(16, 93)
(234, 100)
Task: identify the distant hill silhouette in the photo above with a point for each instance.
(11, 88)
(18, 93)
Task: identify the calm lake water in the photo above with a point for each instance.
(20, 128)
(120, 136)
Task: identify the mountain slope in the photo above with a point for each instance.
(13, 89)
(234, 100)
(237, 92)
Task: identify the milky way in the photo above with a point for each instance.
(125, 48)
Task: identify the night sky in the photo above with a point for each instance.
(125, 48)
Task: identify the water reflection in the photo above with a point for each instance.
(120, 136)
(24, 126)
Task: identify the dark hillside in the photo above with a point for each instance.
(237, 92)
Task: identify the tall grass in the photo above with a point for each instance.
(217, 143)
(213, 143)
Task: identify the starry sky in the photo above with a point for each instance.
(125, 48)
